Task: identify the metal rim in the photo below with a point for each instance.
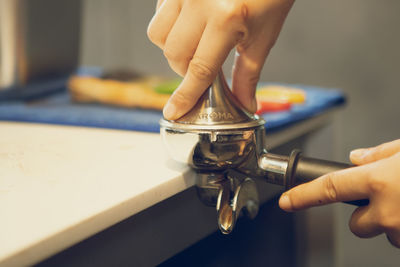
(195, 127)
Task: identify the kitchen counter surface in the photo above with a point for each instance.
(60, 184)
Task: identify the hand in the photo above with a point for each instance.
(377, 177)
(197, 36)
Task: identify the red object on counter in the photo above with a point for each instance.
(272, 106)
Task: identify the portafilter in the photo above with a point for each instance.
(225, 145)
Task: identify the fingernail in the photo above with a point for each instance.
(357, 153)
(169, 111)
(285, 203)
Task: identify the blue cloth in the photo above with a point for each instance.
(59, 109)
(49, 102)
(317, 101)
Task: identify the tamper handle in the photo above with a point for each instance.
(303, 169)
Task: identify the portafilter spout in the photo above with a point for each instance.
(224, 144)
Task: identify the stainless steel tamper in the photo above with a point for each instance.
(225, 145)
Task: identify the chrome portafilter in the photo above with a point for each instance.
(225, 146)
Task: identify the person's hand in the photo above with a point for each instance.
(377, 178)
(197, 36)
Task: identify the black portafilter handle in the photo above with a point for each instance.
(303, 169)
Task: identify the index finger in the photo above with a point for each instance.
(211, 52)
(344, 185)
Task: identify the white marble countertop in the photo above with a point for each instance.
(61, 184)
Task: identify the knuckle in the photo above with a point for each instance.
(386, 223)
(253, 79)
(384, 146)
(386, 220)
(383, 150)
(330, 188)
(181, 99)
(151, 34)
(178, 61)
(178, 68)
(201, 70)
(233, 15)
(376, 184)
(354, 228)
(375, 153)
(236, 11)
(171, 54)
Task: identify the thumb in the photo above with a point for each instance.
(367, 155)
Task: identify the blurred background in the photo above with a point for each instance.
(351, 45)
(348, 45)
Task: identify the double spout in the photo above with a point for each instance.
(225, 145)
(231, 195)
